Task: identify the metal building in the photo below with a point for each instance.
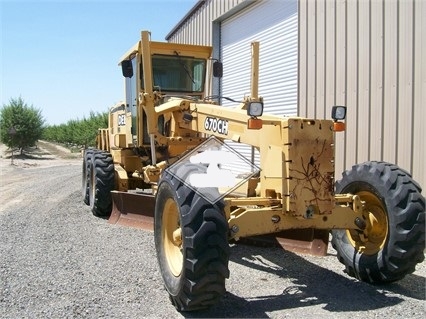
(369, 55)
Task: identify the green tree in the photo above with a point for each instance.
(21, 125)
(81, 132)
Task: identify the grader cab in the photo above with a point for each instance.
(165, 162)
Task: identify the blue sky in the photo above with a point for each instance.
(62, 56)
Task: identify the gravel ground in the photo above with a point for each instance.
(59, 261)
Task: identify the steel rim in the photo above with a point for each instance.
(373, 239)
(172, 240)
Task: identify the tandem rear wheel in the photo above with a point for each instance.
(85, 187)
(98, 181)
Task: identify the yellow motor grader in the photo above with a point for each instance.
(168, 157)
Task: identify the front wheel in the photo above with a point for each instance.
(394, 240)
(191, 243)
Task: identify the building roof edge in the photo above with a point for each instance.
(185, 18)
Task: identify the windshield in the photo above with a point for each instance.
(178, 73)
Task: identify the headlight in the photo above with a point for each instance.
(255, 109)
(338, 113)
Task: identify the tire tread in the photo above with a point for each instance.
(405, 245)
(207, 249)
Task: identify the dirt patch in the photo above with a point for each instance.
(42, 155)
(17, 170)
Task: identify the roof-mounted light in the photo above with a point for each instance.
(255, 109)
(338, 113)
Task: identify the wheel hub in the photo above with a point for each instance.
(373, 238)
(172, 237)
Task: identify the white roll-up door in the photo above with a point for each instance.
(274, 24)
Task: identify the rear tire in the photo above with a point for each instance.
(191, 239)
(85, 187)
(101, 183)
(395, 236)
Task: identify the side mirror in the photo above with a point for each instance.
(127, 68)
(217, 69)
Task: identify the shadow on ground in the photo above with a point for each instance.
(44, 151)
(28, 153)
(310, 285)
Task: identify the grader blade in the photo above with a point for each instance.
(137, 210)
(305, 241)
(133, 209)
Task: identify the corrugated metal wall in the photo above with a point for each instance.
(370, 56)
(197, 29)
